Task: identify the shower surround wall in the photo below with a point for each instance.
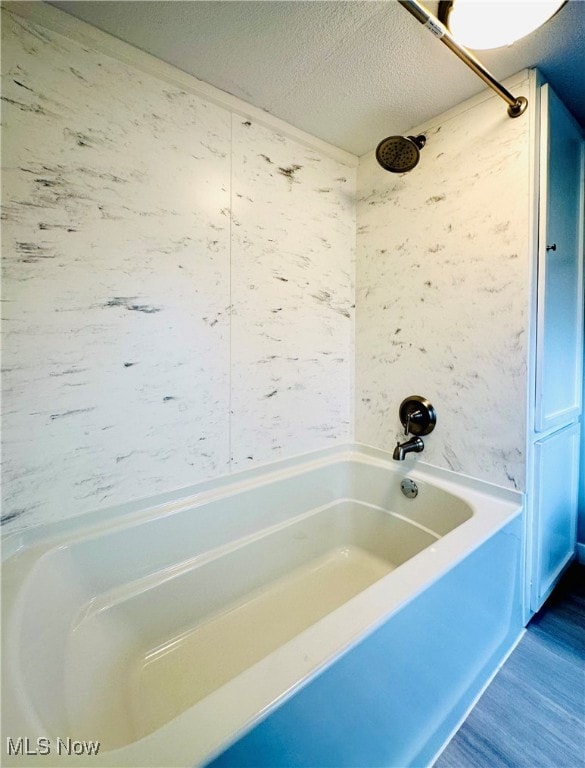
(177, 285)
(443, 290)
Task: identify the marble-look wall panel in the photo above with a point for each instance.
(442, 293)
(116, 228)
(126, 371)
(293, 239)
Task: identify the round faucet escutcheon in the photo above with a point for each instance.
(417, 415)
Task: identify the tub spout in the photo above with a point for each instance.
(415, 444)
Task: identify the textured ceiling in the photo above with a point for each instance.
(347, 72)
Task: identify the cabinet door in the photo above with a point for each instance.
(560, 314)
(555, 509)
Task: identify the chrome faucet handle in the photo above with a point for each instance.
(411, 416)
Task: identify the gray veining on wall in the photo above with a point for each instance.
(116, 273)
(442, 293)
(292, 293)
(178, 287)
(117, 305)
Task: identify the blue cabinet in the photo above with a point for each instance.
(559, 336)
(556, 490)
(554, 444)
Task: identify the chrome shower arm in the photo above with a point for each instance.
(516, 105)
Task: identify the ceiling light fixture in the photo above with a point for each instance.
(480, 25)
(516, 105)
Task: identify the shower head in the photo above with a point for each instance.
(399, 154)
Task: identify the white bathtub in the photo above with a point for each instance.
(166, 633)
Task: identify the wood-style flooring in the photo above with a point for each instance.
(533, 713)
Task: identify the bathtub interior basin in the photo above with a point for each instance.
(152, 649)
(192, 619)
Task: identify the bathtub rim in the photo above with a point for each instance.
(230, 711)
(94, 523)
